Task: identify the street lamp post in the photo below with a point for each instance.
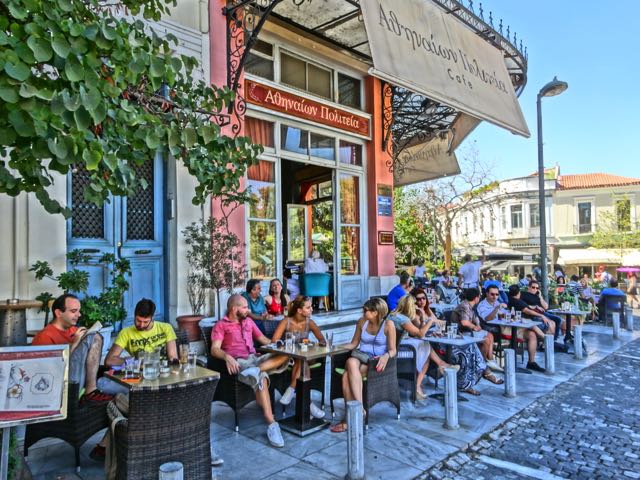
(551, 89)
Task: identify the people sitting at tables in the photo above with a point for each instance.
(473, 366)
(85, 350)
(469, 272)
(315, 264)
(293, 285)
(533, 298)
(277, 300)
(574, 287)
(257, 307)
(374, 337)
(607, 296)
(493, 281)
(524, 280)
(413, 318)
(466, 317)
(232, 341)
(491, 307)
(299, 323)
(400, 290)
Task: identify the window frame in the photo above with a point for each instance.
(511, 216)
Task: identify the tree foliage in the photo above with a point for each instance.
(80, 84)
(413, 236)
(615, 229)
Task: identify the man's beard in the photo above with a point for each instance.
(241, 316)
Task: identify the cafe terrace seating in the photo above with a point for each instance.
(82, 422)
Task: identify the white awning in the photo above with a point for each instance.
(415, 45)
(426, 161)
(588, 256)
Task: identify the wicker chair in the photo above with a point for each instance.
(82, 422)
(163, 425)
(377, 386)
(407, 367)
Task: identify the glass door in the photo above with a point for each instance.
(297, 233)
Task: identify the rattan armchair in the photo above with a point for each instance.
(82, 422)
(164, 424)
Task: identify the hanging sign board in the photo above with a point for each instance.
(416, 45)
(33, 384)
(301, 107)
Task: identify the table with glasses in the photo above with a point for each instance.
(568, 314)
(301, 423)
(168, 419)
(523, 323)
(459, 341)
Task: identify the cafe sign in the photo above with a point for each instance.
(298, 106)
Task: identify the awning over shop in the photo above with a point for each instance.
(415, 45)
(427, 161)
(588, 256)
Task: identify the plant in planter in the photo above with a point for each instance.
(107, 306)
(215, 257)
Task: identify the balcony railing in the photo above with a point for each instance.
(585, 228)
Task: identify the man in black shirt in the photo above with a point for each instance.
(530, 335)
(533, 298)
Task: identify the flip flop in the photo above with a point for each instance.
(472, 391)
(493, 379)
(339, 427)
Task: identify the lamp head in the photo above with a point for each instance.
(553, 88)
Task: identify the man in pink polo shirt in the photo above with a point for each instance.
(232, 341)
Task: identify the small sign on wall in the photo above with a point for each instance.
(385, 238)
(385, 200)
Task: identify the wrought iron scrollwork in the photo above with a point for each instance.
(245, 19)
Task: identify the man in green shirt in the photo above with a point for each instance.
(144, 335)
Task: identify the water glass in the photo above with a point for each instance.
(128, 367)
(192, 360)
(330, 340)
(288, 342)
(183, 354)
(518, 316)
(151, 365)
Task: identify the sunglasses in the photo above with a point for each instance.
(534, 288)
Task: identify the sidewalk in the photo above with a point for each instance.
(398, 449)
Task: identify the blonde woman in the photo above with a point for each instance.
(374, 337)
(415, 322)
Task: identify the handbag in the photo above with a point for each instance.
(360, 355)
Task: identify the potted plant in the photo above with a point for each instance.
(106, 307)
(214, 255)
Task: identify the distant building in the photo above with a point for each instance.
(576, 206)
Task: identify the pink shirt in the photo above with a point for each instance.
(237, 337)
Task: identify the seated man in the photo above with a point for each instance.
(531, 335)
(257, 308)
(533, 298)
(145, 335)
(574, 287)
(85, 349)
(488, 310)
(467, 319)
(608, 297)
(85, 352)
(400, 290)
(491, 281)
(315, 264)
(232, 341)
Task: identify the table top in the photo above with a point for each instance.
(559, 311)
(312, 353)
(193, 375)
(460, 341)
(526, 323)
(444, 307)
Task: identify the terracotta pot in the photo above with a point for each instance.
(189, 323)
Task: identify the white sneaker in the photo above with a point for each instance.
(216, 460)
(287, 396)
(275, 435)
(493, 365)
(250, 376)
(316, 411)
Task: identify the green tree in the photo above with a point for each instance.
(81, 85)
(413, 236)
(615, 230)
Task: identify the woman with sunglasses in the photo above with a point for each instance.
(414, 327)
(298, 322)
(374, 337)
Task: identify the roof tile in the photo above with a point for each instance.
(594, 180)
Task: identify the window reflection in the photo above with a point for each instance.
(349, 199)
(294, 139)
(321, 146)
(263, 189)
(350, 250)
(350, 153)
(262, 249)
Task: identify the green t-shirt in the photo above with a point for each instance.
(134, 340)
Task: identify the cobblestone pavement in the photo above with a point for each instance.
(587, 428)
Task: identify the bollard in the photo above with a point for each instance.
(171, 471)
(629, 315)
(549, 355)
(355, 442)
(615, 319)
(510, 372)
(577, 342)
(451, 399)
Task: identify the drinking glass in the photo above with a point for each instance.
(330, 340)
(288, 342)
(192, 360)
(518, 316)
(128, 367)
(183, 355)
(151, 365)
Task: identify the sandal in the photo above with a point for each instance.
(472, 391)
(420, 395)
(492, 378)
(339, 427)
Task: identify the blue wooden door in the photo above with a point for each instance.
(128, 227)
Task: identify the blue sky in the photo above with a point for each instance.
(591, 127)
